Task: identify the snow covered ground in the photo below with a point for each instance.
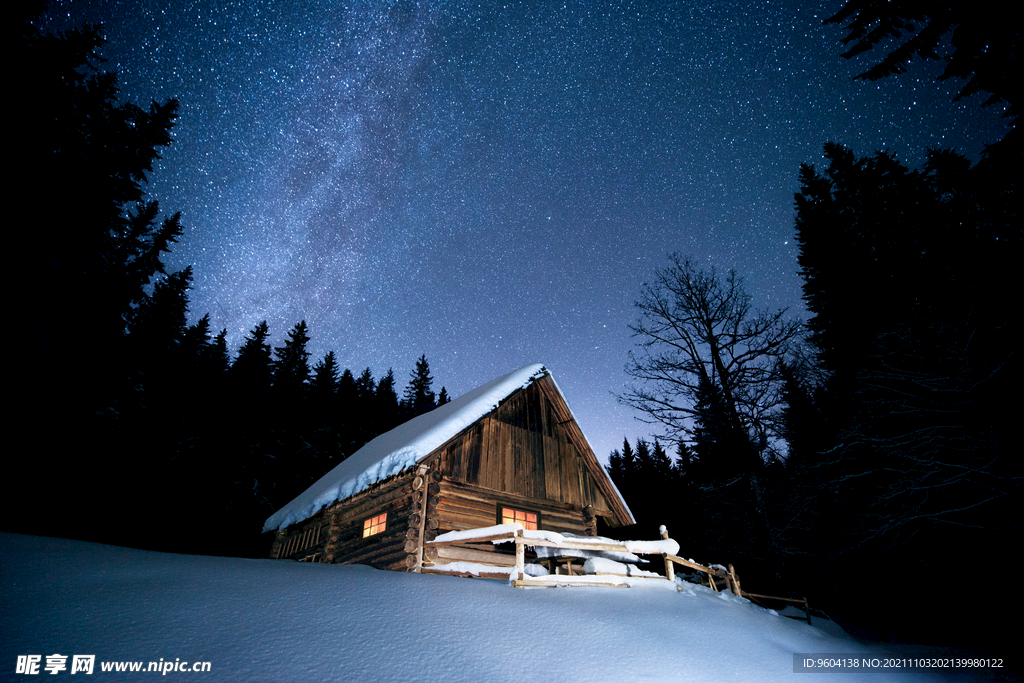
(267, 620)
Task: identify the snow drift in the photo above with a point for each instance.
(272, 620)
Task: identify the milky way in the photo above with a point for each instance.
(490, 183)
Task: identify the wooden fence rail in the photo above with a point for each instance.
(718, 577)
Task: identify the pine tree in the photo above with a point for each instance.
(418, 397)
(801, 418)
(385, 401)
(628, 462)
(219, 358)
(347, 417)
(644, 460)
(683, 465)
(912, 375)
(626, 471)
(366, 387)
(291, 366)
(198, 372)
(325, 376)
(138, 253)
(82, 263)
(325, 404)
(979, 48)
(161, 319)
(156, 338)
(251, 371)
(196, 343)
(347, 393)
(362, 427)
(442, 397)
(661, 462)
(615, 467)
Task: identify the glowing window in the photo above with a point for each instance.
(527, 519)
(375, 525)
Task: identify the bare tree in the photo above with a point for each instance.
(697, 333)
(709, 368)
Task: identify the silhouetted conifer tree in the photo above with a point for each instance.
(348, 398)
(684, 460)
(363, 428)
(911, 450)
(325, 376)
(661, 463)
(366, 387)
(196, 343)
(251, 372)
(644, 459)
(291, 364)
(615, 467)
(157, 342)
(82, 263)
(161, 321)
(975, 45)
(419, 397)
(385, 404)
(219, 358)
(348, 395)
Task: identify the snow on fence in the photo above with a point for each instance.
(606, 558)
(605, 561)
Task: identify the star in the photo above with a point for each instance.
(378, 169)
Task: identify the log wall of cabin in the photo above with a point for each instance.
(402, 498)
(524, 448)
(463, 506)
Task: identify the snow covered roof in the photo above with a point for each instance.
(402, 447)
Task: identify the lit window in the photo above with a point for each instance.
(527, 519)
(374, 525)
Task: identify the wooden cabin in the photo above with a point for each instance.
(507, 451)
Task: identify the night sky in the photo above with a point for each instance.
(490, 183)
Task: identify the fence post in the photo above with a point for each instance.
(670, 571)
(735, 581)
(520, 555)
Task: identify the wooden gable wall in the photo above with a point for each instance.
(529, 446)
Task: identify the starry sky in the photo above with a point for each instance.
(490, 183)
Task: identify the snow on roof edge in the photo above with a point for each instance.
(402, 447)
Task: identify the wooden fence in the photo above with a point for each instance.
(522, 538)
(717, 577)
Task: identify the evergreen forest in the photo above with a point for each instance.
(130, 425)
(863, 457)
